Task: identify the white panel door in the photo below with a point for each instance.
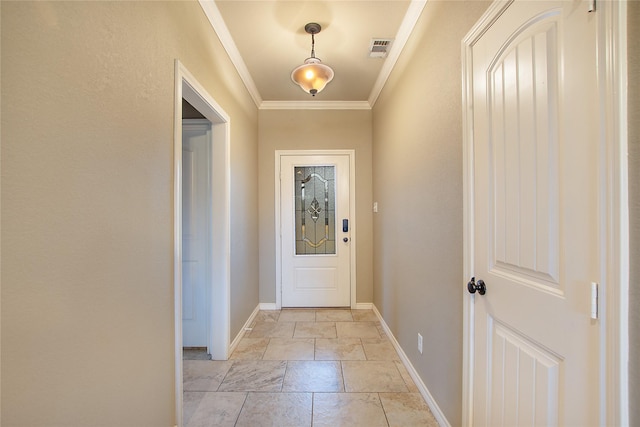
(196, 197)
(314, 197)
(536, 204)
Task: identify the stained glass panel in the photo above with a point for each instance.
(315, 210)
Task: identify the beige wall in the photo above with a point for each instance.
(87, 205)
(315, 130)
(633, 26)
(417, 181)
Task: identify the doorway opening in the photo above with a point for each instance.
(206, 134)
(197, 237)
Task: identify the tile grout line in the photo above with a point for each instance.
(363, 349)
(284, 375)
(383, 410)
(246, 396)
(265, 348)
(344, 381)
(225, 376)
(313, 398)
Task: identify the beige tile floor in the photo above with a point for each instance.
(306, 367)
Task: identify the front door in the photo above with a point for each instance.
(536, 234)
(316, 224)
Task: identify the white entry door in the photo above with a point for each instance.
(196, 199)
(536, 231)
(316, 225)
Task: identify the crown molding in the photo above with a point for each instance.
(315, 105)
(406, 28)
(217, 23)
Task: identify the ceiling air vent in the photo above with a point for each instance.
(379, 48)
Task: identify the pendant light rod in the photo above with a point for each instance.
(313, 28)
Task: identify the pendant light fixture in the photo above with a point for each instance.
(313, 75)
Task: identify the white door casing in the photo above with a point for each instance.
(196, 233)
(318, 280)
(537, 187)
(188, 88)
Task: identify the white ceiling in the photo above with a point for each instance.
(266, 40)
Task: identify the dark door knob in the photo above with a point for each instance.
(474, 286)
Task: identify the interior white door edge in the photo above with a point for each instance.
(612, 57)
(196, 232)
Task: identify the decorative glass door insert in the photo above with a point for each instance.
(315, 210)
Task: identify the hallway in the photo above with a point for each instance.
(305, 367)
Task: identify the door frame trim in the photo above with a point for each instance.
(611, 24)
(352, 216)
(187, 87)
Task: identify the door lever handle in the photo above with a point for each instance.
(474, 286)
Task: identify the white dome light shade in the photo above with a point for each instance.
(312, 76)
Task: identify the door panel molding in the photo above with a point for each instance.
(352, 225)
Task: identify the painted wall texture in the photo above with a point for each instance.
(87, 205)
(633, 29)
(417, 182)
(315, 130)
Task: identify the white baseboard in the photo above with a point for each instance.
(247, 324)
(435, 409)
(267, 306)
(364, 305)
